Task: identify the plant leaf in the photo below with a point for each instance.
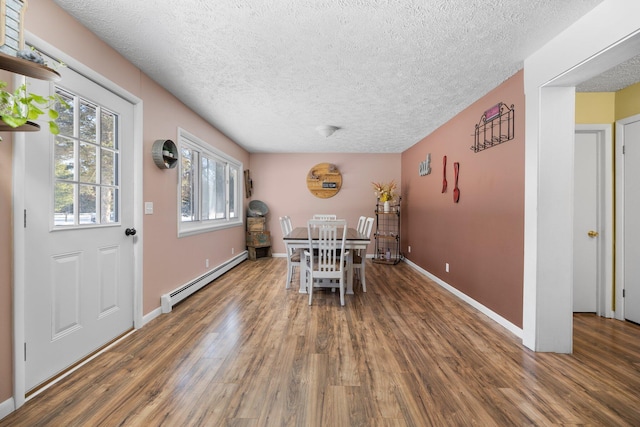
(14, 121)
(34, 112)
(38, 98)
(53, 128)
(53, 114)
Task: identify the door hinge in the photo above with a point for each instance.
(623, 293)
(25, 218)
(25, 352)
(623, 149)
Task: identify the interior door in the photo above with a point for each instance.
(631, 221)
(586, 230)
(79, 281)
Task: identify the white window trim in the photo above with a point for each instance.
(197, 227)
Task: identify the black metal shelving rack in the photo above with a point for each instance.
(387, 234)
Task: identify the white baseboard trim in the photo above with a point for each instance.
(168, 300)
(7, 407)
(151, 315)
(475, 304)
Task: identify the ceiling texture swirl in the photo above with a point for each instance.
(386, 73)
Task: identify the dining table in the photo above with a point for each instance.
(298, 238)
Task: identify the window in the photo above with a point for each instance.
(86, 164)
(209, 187)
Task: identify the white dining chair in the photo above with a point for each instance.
(361, 222)
(287, 224)
(360, 256)
(326, 256)
(293, 255)
(325, 217)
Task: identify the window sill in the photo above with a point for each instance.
(190, 229)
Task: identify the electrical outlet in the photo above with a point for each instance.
(206, 263)
(409, 249)
(233, 251)
(446, 267)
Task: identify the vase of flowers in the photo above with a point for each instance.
(385, 192)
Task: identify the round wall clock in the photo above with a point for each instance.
(324, 180)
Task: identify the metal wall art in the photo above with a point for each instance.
(495, 127)
(425, 167)
(456, 190)
(444, 174)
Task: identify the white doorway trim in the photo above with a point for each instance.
(19, 388)
(605, 298)
(619, 265)
(550, 77)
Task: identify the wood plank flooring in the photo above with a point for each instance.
(245, 351)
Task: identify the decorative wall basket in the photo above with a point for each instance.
(12, 26)
(497, 125)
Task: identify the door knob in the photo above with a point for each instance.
(130, 231)
(592, 233)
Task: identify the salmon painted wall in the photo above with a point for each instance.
(280, 180)
(482, 236)
(168, 261)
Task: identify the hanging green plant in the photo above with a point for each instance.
(20, 106)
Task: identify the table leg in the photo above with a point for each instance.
(303, 273)
(350, 272)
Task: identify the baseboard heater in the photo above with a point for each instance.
(167, 301)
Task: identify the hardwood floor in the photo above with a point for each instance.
(245, 351)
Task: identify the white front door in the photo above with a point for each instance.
(586, 227)
(79, 281)
(632, 221)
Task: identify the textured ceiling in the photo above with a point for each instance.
(614, 79)
(268, 72)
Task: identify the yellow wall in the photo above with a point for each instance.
(595, 107)
(607, 107)
(628, 102)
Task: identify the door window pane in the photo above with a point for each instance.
(88, 157)
(108, 208)
(86, 169)
(87, 204)
(64, 158)
(108, 172)
(65, 115)
(87, 121)
(107, 130)
(63, 204)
